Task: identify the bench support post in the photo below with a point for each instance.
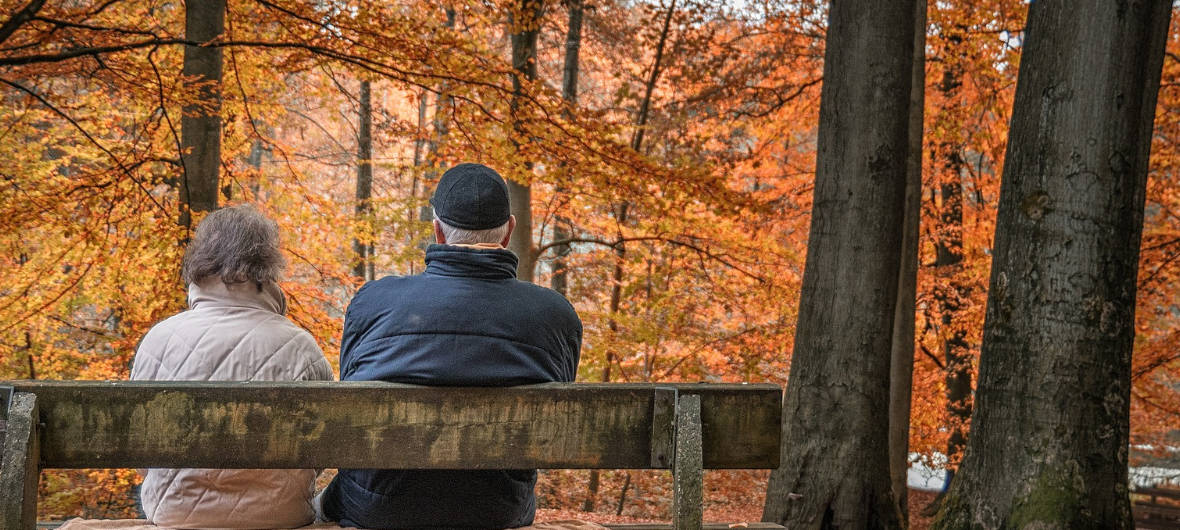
(19, 464)
(687, 473)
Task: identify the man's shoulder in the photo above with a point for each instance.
(548, 302)
(541, 292)
(382, 287)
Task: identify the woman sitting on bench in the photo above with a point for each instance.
(234, 330)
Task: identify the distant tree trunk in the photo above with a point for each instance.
(254, 159)
(444, 103)
(569, 92)
(200, 126)
(621, 211)
(1049, 435)
(23, 259)
(835, 456)
(419, 146)
(952, 289)
(526, 26)
(364, 182)
(901, 375)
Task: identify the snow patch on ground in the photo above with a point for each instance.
(930, 475)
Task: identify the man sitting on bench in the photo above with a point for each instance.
(465, 321)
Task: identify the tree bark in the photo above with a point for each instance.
(569, 92)
(901, 374)
(526, 26)
(362, 249)
(835, 456)
(200, 125)
(1049, 438)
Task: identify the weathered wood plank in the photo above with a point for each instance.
(738, 423)
(687, 475)
(663, 428)
(18, 465)
(382, 425)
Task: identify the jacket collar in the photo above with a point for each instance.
(212, 292)
(471, 261)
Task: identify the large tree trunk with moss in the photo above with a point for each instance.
(526, 26)
(1049, 434)
(200, 126)
(901, 376)
(835, 458)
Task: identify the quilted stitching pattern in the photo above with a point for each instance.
(233, 334)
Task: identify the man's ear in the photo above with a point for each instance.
(511, 227)
(439, 236)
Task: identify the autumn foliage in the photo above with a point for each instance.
(698, 280)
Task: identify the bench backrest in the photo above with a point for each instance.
(384, 425)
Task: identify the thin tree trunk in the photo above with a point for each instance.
(562, 228)
(443, 105)
(621, 211)
(364, 183)
(29, 355)
(901, 374)
(569, 92)
(623, 495)
(835, 458)
(419, 147)
(526, 26)
(254, 159)
(200, 126)
(1050, 430)
(952, 289)
(22, 259)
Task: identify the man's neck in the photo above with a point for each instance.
(480, 246)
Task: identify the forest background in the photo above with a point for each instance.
(669, 168)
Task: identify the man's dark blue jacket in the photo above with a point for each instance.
(465, 321)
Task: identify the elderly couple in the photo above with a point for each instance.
(464, 321)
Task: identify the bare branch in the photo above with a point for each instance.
(24, 15)
(119, 162)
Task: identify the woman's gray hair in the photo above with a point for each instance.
(462, 236)
(236, 244)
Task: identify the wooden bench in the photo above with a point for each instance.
(1156, 515)
(682, 427)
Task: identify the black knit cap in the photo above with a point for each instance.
(471, 197)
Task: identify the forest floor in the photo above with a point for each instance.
(730, 497)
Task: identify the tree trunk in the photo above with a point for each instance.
(1048, 445)
(621, 212)
(526, 26)
(952, 289)
(200, 125)
(362, 249)
(901, 374)
(835, 457)
(419, 146)
(258, 151)
(569, 92)
(562, 228)
(444, 104)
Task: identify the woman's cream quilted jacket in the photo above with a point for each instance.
(232, 332)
